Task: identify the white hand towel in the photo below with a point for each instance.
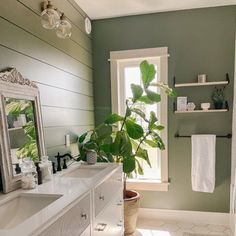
(203, 163)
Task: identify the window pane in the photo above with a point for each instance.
(132, 75)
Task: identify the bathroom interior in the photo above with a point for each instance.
(117, 118)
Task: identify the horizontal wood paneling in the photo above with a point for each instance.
(34, 47)
(62, 69)
(71, 13)
(56, 136)
(31, 23)
(44, 73)
(55, 97)
(54, 117)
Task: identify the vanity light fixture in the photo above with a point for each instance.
(64, 28)
(50, 18)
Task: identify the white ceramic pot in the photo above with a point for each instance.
(205, 106)
(91, 157)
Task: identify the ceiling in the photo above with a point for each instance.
(100, 9)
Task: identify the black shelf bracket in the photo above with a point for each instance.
(227, 78)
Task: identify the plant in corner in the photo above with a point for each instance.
(218, 98)
(126, 143)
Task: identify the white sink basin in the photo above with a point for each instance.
(85, 171)
(22, 207)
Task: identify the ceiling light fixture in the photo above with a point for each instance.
(52, 18)
(64, 28)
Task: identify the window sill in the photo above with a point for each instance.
(148, 185)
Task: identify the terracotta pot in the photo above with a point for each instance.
(131, 206)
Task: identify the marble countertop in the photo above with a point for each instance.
(70, 189)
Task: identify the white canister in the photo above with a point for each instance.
(181, 103)
(202, 78)
(91, 157)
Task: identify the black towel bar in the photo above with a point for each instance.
(189, 136)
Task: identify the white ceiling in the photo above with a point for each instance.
(99, 9)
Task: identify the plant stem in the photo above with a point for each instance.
(141, 141)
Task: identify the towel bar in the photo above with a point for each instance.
(189, 136)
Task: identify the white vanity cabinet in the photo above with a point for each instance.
(74, 222)
(97, 213)
(108, 207)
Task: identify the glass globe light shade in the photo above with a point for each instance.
(64, 29)
(50, 18)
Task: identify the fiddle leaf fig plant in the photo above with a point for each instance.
(136, 130)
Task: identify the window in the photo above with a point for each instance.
(125, 71)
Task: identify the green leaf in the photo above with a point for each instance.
(152, 120)
(151, 143)
(113, 118)
(139, 112)
(122, 145)
(155, 97)
(137, 91)
(148, 73)
(82, 137)
(103, 131)
(142, 153)
(90, 145)
(156, 138)
(128, 164)
(169, 91)
(134, 130)
(139, 168)
(160, 127)
(146, 100)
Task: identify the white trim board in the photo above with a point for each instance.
(186, 216)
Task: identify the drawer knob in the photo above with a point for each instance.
(84, 216)
(102, 198)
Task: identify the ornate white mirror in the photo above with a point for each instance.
(21, 131)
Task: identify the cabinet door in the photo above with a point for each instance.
(107, 190)
(110, 220)
(74, 222)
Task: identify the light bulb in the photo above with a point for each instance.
(50, 18)
(64, 29)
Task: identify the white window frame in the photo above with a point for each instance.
(116, 57)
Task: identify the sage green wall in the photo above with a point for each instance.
(199, 41)
(61, 68)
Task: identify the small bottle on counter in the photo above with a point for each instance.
(46, 168)
(29, 178)
(39, 173)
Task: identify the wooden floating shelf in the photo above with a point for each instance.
(202, 111)
(201, 84)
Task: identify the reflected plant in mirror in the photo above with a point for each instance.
(21, 127)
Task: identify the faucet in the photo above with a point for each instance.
(59, 157)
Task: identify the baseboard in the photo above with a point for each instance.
(186, 216)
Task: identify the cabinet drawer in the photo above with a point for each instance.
(107, 190)
(110, 220)
(74, 222)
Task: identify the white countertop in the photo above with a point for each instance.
(71, 189)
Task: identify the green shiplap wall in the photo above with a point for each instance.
(61, 68)
(199, 41)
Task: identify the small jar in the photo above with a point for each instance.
(29, 174)
(46, 168)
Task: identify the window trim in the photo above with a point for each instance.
(150, 53)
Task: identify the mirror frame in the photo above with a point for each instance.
(13, 85)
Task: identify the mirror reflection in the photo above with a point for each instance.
(22, 131)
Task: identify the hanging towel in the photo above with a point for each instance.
(203, 162)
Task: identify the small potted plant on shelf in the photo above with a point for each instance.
(218, 98)
(127, 143)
